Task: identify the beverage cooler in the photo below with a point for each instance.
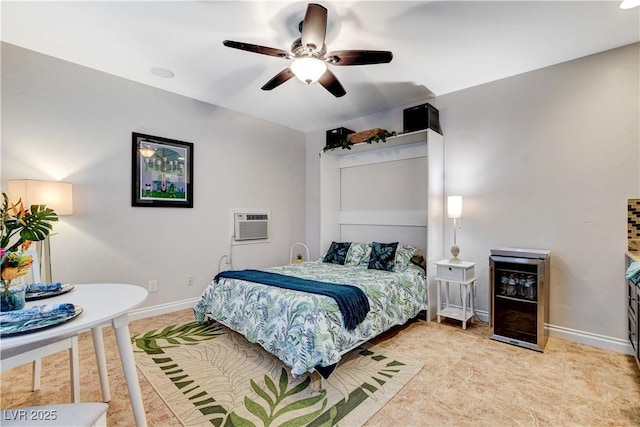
(519, 280)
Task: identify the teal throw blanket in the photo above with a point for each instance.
(633, 272)
(352, 302)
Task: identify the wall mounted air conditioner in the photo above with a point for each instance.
(251, 226)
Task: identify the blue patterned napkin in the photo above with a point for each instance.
(43, 287)
(48, 311)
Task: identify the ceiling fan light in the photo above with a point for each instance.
(628, 4)
(308, 69)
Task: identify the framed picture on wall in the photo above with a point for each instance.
(162, 172)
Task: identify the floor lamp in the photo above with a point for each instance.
(55, 195)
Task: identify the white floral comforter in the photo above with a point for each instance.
(305, 330)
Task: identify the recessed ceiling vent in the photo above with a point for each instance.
(251, 226)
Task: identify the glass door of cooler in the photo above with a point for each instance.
(516, 286)
(516, 319)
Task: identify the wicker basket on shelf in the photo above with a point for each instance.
(358, 137)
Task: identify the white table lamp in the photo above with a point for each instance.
(629, 4)
(454, 211)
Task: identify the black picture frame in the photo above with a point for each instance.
(161, 172)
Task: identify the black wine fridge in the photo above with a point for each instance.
(520, 296)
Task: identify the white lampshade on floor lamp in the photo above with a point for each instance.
(454, 211)
(55, 195)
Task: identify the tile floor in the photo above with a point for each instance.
(468, 380)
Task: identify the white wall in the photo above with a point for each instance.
(543, 160)
(61, 121)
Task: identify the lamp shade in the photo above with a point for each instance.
(454, 207)
(308, 69)
(628, 4)
(55, 195)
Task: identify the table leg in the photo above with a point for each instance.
(37, 372)
(472, 288)
(121, 327)
(101, 360)
(464, 290)
(439, 305)
(74, 368)
(446, 296)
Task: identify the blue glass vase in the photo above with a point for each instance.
(12, 296)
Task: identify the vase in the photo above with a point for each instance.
(12, 296)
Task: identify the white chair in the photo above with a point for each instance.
(34, 352)
(87, 414)
(70, 343)
(42, 349)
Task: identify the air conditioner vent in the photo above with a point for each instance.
(251, 226)
(257, 217)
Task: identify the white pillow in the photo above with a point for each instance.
(358, 254)
(403, 257)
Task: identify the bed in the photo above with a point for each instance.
(306, 330)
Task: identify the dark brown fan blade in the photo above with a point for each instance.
(331, 83)
(257, 49)
(278, 79)
(359, 57)
(314, 26)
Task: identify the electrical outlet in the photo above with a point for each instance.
(153, 286)
(189, 280)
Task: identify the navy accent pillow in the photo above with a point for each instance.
(337, 253)
(383, 256)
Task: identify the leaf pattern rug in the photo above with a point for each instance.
(210, 375)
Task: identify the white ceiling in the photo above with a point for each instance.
(438, 47)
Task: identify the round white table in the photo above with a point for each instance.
(102, 304)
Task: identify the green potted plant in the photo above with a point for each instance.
(18, 228)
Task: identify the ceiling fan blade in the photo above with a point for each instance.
(257, 49)
(359, 57)
(278, 79)
(314, 26)
(330, 82)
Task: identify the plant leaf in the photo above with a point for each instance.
(238, 421)
(255, 408)
(300, 387)
(263, 394)
(304, 420)
(284, 382)
(302, 403)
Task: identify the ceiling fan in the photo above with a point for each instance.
(310, 57)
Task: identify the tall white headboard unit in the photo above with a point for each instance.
(391, 191)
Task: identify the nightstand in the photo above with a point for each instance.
(461, 273)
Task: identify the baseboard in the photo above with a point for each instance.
(483, 315)
(595, 340)
(588, 338)
(156, 310)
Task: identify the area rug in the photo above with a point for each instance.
(211, 375)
